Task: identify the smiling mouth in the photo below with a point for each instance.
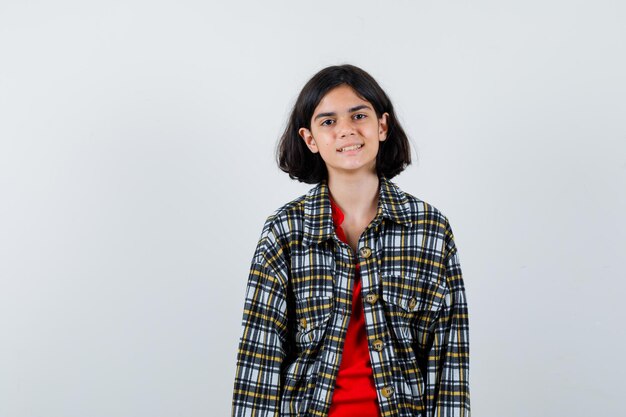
(350, 148)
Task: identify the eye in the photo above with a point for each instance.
(360, 114)
(326, 124)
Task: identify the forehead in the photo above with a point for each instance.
(340, 98)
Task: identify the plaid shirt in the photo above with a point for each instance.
(298, 304)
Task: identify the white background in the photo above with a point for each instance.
(137, 167)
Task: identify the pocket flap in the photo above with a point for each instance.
(312, 312)
(412, 294)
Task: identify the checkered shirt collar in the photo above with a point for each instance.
(318, 222)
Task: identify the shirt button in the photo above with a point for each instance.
(303, 322)
(371, 298)
(377, 345)
(387, 391)
(412, 303)
(365, 252)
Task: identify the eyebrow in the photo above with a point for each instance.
(350, 110)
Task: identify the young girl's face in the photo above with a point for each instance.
(343, 119)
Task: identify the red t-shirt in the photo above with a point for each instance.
(355, 392)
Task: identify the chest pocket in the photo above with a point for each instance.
(312, 315)
(413, 305)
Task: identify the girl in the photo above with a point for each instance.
(355, 304)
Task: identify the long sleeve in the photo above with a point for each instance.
(257, 388)
(449, 358)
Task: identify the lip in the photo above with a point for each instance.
(352, 151)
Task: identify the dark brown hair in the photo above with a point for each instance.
(293, 156)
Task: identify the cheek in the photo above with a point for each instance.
(325, 149)
(373, 146)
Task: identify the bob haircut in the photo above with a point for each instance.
(293, 156)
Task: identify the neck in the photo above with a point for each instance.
(357, 196)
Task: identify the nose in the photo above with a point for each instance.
(345, 127)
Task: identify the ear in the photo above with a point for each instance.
(383, 126)
(306, 135)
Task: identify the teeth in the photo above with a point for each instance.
(350, 148)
